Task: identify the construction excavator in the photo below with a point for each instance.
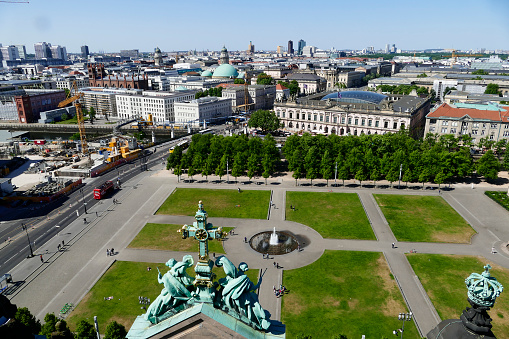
(73, 97)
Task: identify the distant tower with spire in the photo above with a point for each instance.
(158, 57)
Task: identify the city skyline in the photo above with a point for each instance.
(106, 26)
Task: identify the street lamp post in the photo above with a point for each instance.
(400, 168)
(404, 317)
(227, 174)
(335, 174)
(84, 203)
(24, 227)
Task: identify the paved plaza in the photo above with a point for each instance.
(66, 276)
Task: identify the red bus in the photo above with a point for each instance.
(101, 191)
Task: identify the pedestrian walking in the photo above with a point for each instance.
(112, 251)
(274, 264)
(108, 252)
(58, 247)
(42, 260)
(245, 239)
(62, 243)
(393, 245)
(214, 254)
(493, 250)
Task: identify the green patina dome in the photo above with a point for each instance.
(181, 88)
(225, 71)
(206, 73)
(483, 289)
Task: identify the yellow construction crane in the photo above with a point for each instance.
(73, 97)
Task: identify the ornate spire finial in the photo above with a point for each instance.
(483, 289)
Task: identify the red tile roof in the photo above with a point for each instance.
(446, 111)
(280, 87)
(229, 85)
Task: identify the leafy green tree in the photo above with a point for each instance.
(264, 79)
(500, 147)
(64, 116)
(424, 176)
(267, 121)
(239, 81)
(178, 172)
(326, 166)
(422, 75)
(91, 113)
(175, 157)
(361, 175)
(505, 164)
(298, 164)
(488, 166)
(252, 165)
(480, 72)
(75, 136)
(293, 86)
(191, 171)
(26, 318)
(392, 175)
(221, 169)
(492, 89)
(238, 166)
(50, 320)
(85, 330)
(198, 162)
(115, 330)
(311, 164)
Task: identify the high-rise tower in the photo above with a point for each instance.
(290, 47)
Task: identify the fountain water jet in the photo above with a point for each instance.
(274, 240)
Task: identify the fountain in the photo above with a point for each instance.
(275, 243)
(273, 238)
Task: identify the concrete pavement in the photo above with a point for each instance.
(68, 275)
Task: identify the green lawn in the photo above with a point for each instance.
(443, 278)
(166, 237)
(344, 292)
(423, 219)
(218, 203)
(125, 281)
(333, 215)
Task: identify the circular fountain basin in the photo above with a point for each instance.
(287, 243)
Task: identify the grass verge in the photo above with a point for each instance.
(333, 215)
(165, 237)
(125, 281)
(353, 293)
(499, 197)
(218, 203)
(443, 278)
(423, 219)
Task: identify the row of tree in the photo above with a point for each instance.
(377, 157)
(213, 92)
(215, 154)
(405, 89)
(84, 329)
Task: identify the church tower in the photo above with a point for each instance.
(158, 57)
(224, 58)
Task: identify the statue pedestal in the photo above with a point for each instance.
(203, 321)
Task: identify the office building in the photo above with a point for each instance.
(300, 46)
(290, 47)
(130, 53)
(354, 113)
(280, 50)
(22, 52)
(159, 104)
(489, 121)
(103, 99)
(9, 52)
(58, 52)
(84, 52)
(33, 102)
(387, 48)
(259, 97)
(42, 50)
(208, 109)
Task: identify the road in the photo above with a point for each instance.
(51, 219)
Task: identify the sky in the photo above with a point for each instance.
(112, 25)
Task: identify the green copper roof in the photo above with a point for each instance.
(225, 71)
(206, 73)
(482, 107)
(181, 88)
